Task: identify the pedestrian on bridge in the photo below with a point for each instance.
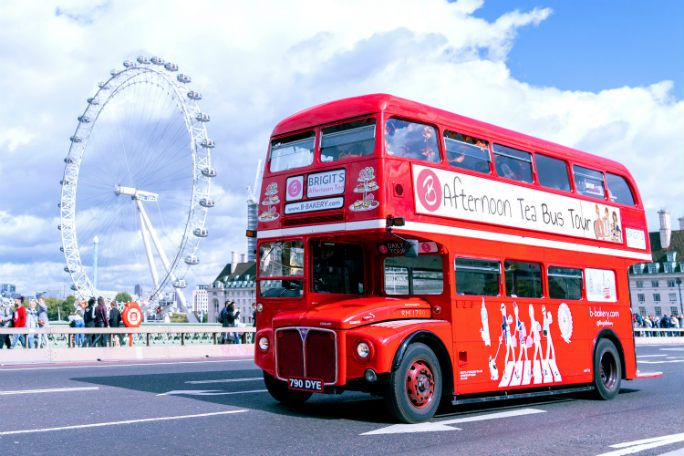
(19, 321)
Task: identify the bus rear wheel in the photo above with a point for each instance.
(414, 390)
(607, 370)
(281, 393)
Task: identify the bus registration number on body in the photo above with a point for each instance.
(306, 384)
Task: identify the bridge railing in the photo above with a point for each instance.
(147, 335)
(658, 332)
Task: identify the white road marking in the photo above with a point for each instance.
(224, 380)
(672, 349)
(9, 368)
(643, 444)
(49, 390)
(662, 362)
(208, 392)
(443, 425)
(650, 356)
(118, 423)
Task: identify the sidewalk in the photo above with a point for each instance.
(139, 353)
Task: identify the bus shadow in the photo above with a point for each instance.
(249, 392)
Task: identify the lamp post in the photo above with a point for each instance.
(679, 289)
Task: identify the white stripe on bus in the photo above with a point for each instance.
(454, 231)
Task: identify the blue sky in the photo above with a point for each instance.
(596, 45)
(601, 76)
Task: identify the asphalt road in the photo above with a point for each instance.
(221, 407)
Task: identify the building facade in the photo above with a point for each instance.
(656, 287)
(236, 282)
(200, 299)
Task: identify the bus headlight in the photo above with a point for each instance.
(263, 343)
(363, 350)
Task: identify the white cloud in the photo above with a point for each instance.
(255, 63)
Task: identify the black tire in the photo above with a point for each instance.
(607, 370)
(281, 393)
(414, 390)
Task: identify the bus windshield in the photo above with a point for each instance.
(337, 268)
(284, 263)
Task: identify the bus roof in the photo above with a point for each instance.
(380, 102)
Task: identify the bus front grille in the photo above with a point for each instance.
(306, 352)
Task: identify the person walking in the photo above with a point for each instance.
(19, 321)
(227, 319)
(89, 321)
(32, 323)
(76, 321)
(115, 322)
(43, 323)
(6, 322)
(101, 321)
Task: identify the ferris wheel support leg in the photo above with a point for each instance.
(148, 248)
(164, 260)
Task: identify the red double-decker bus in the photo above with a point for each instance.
(407, 251)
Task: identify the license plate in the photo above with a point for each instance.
(305, 384)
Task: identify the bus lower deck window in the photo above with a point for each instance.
(523, 280)
(477, 277)
(565, 283)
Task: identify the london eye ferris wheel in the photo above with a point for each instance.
(137, 184)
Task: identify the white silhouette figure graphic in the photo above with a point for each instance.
(484, 331)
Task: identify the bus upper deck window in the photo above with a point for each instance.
(411, 140)
(619, 189)
(467, 152)
(588, 182)
(292, 152)
(552, 172)
(353, 139)
(513, 163)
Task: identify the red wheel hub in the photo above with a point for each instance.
(420, 384)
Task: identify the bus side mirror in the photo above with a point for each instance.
(411, 248)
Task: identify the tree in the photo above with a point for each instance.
(59, 309)
(122, 296)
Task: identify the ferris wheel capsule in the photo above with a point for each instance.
(113, 72)
(93, 101)
(61, 249)
(194, 95)
(75, 139)
(209, 172)
(202, 117)
(171, 66)
(68, 160)
(206, 202)
(68, 269)
(191, 260)
(102, 85)
(184, 78)
(157, 60)
(180, 283)
(84, 119)
(207, 143)
(129, 63)
(200, 232)
(143, 60)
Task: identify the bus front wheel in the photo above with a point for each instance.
(281, 393)
(607, 370)
(414, 390)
